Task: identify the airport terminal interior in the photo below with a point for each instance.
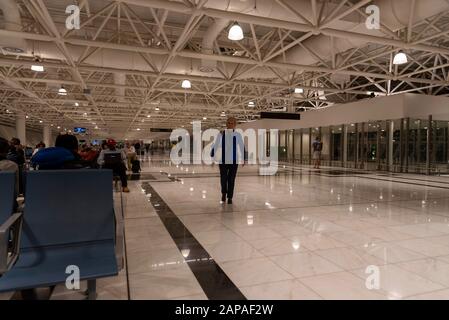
(114, 125)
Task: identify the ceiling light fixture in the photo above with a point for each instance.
(400, 58)
(148, 116)
(235, 32)
(299, 90)
(186, 84)
(251, 104)
(37, 68)
(77, 104)
(62, 91)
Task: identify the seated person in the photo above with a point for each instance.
(64, 155)
(8, 165)
(90, 155)
(39, 147)
(111, 158)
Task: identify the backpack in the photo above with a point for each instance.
(112, 159)
(135, 166)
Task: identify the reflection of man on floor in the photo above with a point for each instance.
(229, 151)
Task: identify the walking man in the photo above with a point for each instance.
(317, 148)
(230, 144)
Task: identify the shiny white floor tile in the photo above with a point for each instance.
(305, 264)
(431, 269)
(281, 290)
(148, 244)
(443, 240)
(424, 247)
(397, 283)
(317, 241)
(435, 295)
(229, 251)
(200, 296)
(144, 261)
(341, 286)
(349, 258)
(277, 246)
(391, 252)
(217, 237)
(418, 230)
(254, 271)
(164, 284)
(386, 234)
(352, 238)
(250, 233)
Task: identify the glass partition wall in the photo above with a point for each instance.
(400, 145)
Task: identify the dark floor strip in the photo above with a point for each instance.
(405, 182)
(215, 283)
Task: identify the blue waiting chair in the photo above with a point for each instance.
(10, 222)
(68, 221)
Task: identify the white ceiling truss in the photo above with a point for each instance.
(162, 31)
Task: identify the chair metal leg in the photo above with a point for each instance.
(92, 289)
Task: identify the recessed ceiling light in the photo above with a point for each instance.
(204, 118)
(299, 90)
(157, 109)
(148, 116)
(251, 104)
(40, 121)
(235, 32)
(138, 129)
(27, 117)
(77, 104)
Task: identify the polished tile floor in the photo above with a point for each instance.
(301, 234)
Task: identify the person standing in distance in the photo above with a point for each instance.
(317, 147)
(228, 150)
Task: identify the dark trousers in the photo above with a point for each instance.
(227, 178)
(119, 169)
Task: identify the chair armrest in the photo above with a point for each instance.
(10, 233)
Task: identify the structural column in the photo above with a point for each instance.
(47, 135)
(344, 158)
(390, 135)
(429, 146)
(21, 128)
